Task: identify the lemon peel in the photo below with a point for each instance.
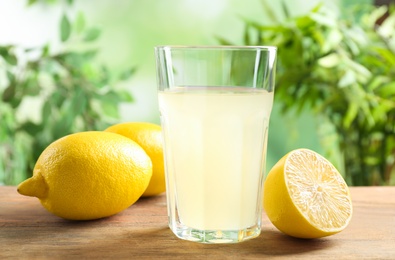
(89, 175)
(149, 137)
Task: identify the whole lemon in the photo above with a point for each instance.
(89, 175)
(149, 137)
(306, 197)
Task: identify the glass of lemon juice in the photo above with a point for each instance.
(215, 103)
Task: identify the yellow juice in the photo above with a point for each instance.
(215, 149)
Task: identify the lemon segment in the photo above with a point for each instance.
(306, 197)
(149, 137)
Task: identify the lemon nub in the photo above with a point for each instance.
(34, 187)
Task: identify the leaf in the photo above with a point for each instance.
(377, 81)
(270, 28)
(92, 34)
(333, 40)
(78, 102)
(352, 46)
(45, 50)
(304, 22)
(110, 109)
(247, 39)
(31, 2)
(31, 128)
(66, 118)
(125, 75)
(223, 41)
(111, 97)
(329, 61)
(65, 28)
(367, 113)
(358, 35)
(375, 15)
(10, 76)
(90, 54)
(79, 24)
(361, 72)
(125, 96)
(317, 8)
(62, 126)
(348, 79)
(387, 28)
(269, 11)
(109, 103)
(324, 19)
(388, 57)
(57, 99)
(371, 160)
(11, 59)
(46, 111)
(387, 90)
(8, 55)
(352, 112)
(31, 88)
(9, 93)
(3, 50)
(381, 110)
(285, 9)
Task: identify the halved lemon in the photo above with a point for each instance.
(306, 197)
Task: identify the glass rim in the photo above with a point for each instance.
(217, 47)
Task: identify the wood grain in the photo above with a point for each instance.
(28, 231)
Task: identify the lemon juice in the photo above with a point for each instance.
(215, 147)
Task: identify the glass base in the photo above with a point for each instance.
(216, 236)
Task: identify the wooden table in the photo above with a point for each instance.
(28, 231)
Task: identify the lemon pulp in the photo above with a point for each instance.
(305, 196)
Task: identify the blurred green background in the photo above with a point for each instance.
(131, 28)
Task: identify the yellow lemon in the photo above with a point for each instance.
(149, 137)
(89, 175)
(306, 197)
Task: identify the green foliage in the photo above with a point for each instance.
(343, 70)
(73, 92)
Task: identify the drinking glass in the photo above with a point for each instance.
(215, 103)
